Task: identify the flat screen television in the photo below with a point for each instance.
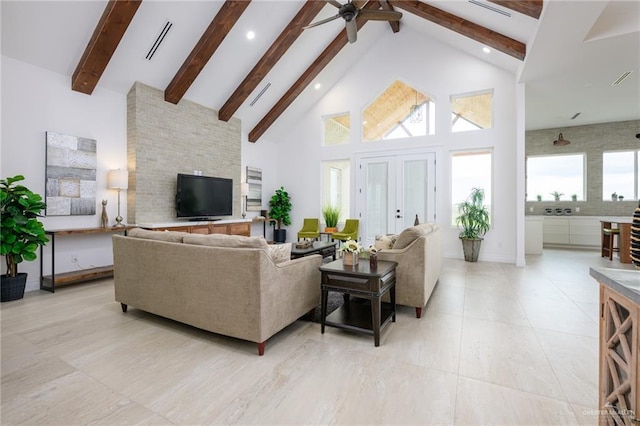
(203, 197)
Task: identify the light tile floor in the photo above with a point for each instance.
(496, 345)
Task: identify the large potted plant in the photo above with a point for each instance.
(473, 217)
(280, 205)
(21, 233)
(331, 215)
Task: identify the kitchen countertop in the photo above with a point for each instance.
(624, 281)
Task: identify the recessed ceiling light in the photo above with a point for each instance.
(251, 35)
(486, 49)
(317, 86)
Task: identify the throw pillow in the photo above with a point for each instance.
(223, 240)
(383, 242)
(168, 236)
(409, 235)
(279, 252)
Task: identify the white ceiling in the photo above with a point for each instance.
(574, 51)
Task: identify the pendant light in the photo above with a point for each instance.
(415, 112)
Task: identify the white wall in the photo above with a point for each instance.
(34, 101)
(435, 69)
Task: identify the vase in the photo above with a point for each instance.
(350, 258)
(373, 261)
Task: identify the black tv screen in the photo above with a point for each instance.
(202, 197)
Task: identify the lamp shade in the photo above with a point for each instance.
(118, 179)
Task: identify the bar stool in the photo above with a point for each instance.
(608, 241)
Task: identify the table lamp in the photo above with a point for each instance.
(118, 180)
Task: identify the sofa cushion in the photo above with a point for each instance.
(168, 236)
(410, 234)
(223, 240)
(279, 252)
(385, 241)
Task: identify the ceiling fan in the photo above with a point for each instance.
(350, 11)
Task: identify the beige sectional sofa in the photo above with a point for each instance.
(418, 251)
(225, 284)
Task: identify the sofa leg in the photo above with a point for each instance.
(418, 312)
(124, 307)
(261, 348)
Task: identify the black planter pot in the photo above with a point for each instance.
(280, 235)
(12, 288)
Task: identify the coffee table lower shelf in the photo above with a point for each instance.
(357, 317)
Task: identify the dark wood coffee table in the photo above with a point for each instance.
(323, 248)
(364, 283)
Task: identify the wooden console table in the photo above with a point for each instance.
(49, 282)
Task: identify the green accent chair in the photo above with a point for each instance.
(310, 229)
(350, 230)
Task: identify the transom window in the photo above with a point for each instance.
(399, 112)
(337, 129)
(472, 111)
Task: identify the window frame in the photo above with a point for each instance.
(570, 154)
(488, 200)
(636, 174)
(324, 128)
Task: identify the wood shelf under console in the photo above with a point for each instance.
(49, 282)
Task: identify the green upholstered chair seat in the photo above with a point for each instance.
(310, 228)
(350, 231)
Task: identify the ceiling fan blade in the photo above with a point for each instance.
(335, 3)
(324, 21)
(352, 31)
(380, 15)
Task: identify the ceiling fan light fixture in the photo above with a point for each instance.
(561, 141)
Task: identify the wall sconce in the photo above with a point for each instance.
(561, 141)
(244, 191)
(118, 180)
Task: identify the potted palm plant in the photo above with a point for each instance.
(331, 215)
(473, 217)
(21, 233)
(280, 205)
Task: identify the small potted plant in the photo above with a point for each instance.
(574, 197)
(557, 195)
(620, 197)
(350, 250)
(614, 196)
(280, 205)
(21, 233)
(473, 216)
(539, 197)
(331, 215)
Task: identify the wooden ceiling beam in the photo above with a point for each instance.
(211, 39)
(531, 8)
(306, 78)
(106, 36)
(395, 25)
(270, 58)
(467, 28)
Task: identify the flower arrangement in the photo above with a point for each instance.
(350, 246)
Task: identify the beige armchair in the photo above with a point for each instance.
(418, 251)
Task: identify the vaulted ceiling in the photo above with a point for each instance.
(567, 53)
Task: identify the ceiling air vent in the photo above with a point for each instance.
(620, 79)
(491, 8)
(159, 40)
(576, 115)
(260, 94)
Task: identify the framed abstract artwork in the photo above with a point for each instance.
(70, 187)
(254, 197)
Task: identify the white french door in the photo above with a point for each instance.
(392, 191)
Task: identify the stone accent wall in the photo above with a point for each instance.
(591, 140)
(163, 140)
